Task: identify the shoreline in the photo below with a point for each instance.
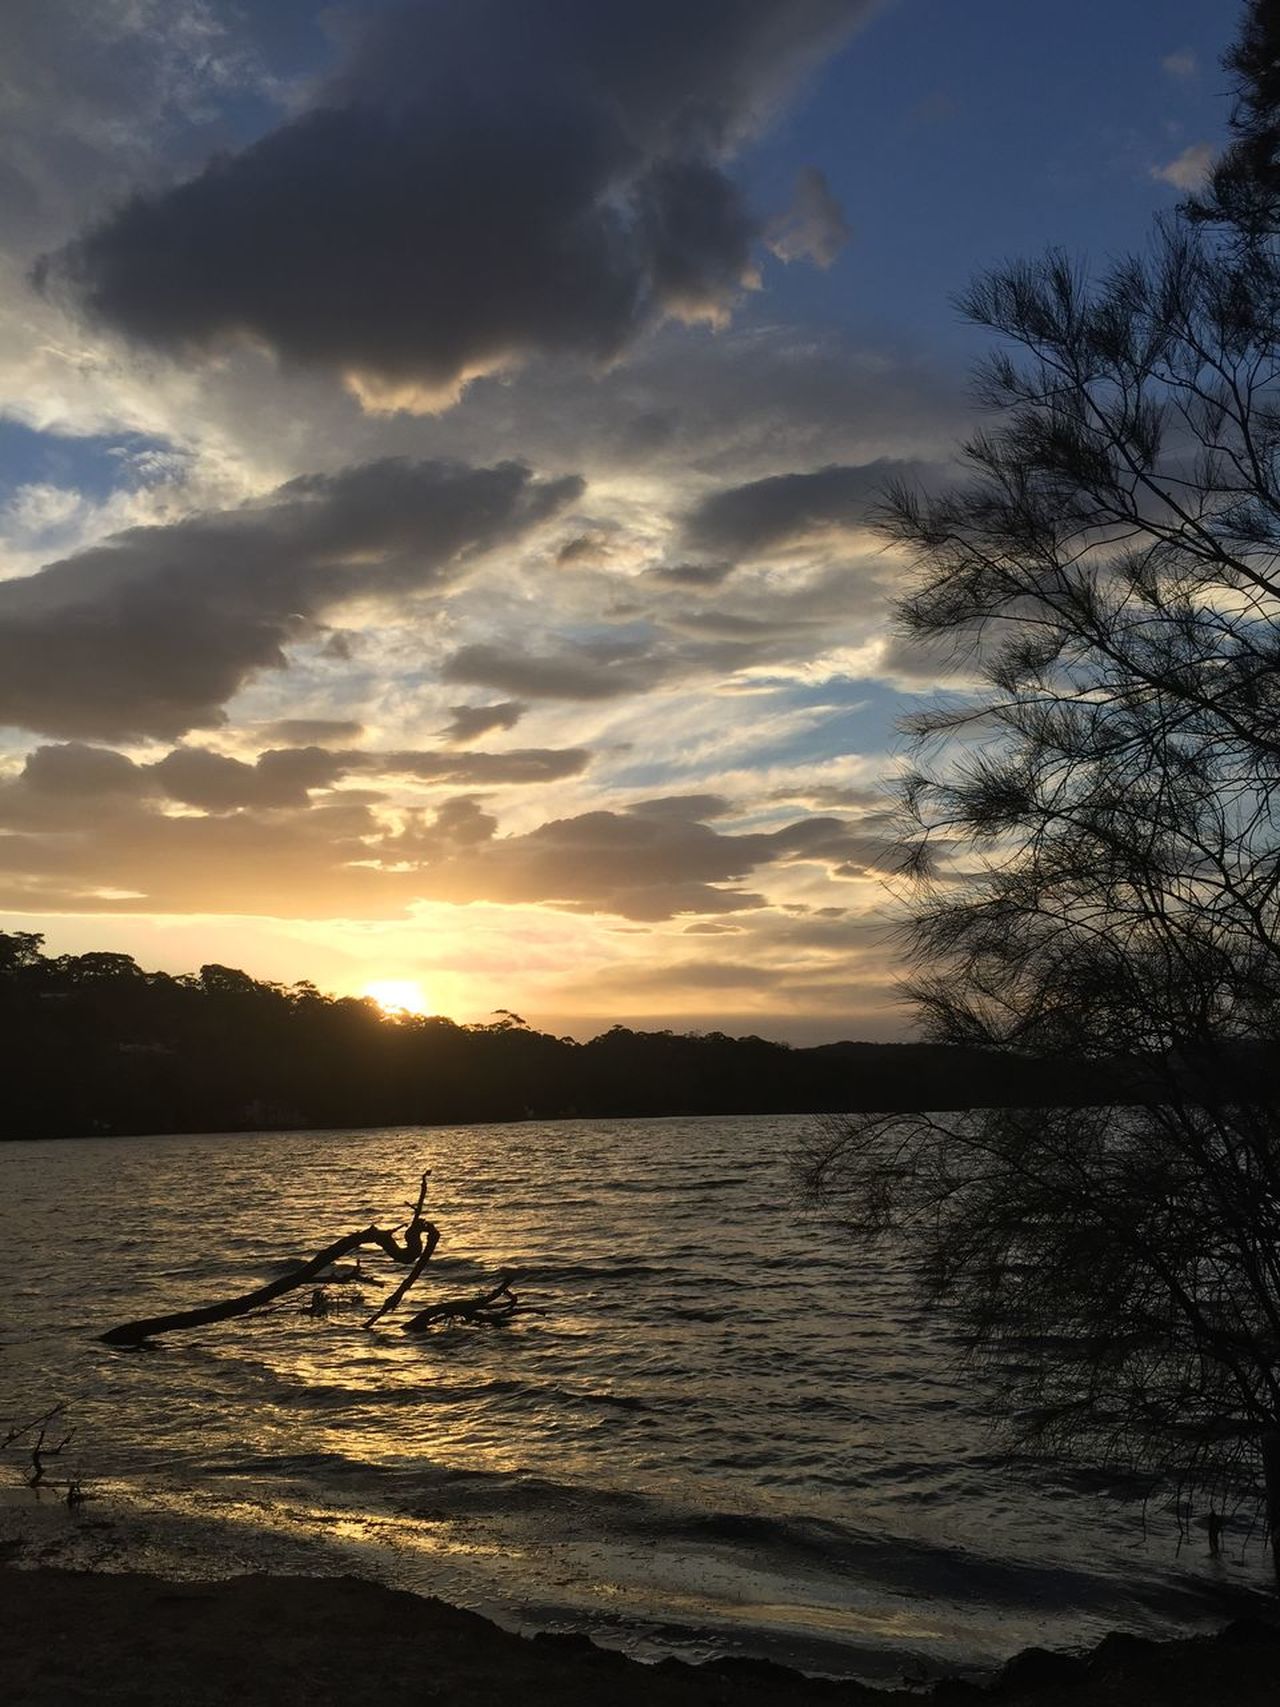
(870, 1630)
(74, 1637)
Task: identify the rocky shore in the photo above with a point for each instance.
(68, 1639)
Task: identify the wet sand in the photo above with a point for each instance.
(70, 1638)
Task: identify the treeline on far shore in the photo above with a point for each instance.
(94, 1044)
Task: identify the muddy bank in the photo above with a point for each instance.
(72, 1638)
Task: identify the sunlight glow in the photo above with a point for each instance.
(398, 996)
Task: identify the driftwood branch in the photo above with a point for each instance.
(420, 1239)
(389, 1303)
(489, 1311)
(413, 1252)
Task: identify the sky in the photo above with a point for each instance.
(438, 447)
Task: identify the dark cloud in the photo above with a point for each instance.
(752, 401)
(80, 772)
(752, 520)
(860, 849)
(691, 574)
(733, 626)
(606, 670)
(646, 865)
(483, 180)
(150, 633)
(483, 770)
(215, 783)
(74, 773)
(468, 722)
(694, 807)
(583, 548)
(918, 663)
(462, 823)
(639, 866)
(312, 731)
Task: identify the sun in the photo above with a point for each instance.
(398, 996)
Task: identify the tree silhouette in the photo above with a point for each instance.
(1243, 193)
(95, 1044)
(1109, 578)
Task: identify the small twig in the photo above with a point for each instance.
(40, 1422)
(39, 1452)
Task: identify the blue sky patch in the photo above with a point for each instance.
(92, 467)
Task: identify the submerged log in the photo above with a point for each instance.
(414, 1251)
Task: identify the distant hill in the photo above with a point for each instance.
(94, 1044)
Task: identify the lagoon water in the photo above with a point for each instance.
(729, 1432)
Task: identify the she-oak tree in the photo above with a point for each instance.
(1109, 578)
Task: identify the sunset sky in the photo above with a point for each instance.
(435, 450)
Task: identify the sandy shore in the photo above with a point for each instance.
(69, 1638)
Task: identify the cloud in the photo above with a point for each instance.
(701, 974)
(1190, 170)
(594, 670)
(151, 632)
(691, 574)
(312, 731)
(482, 180)
(137, 858)
(281, 777)
(79, 772)
(867, 800)
(748, 403)
(481, 770)
(583, 548)
(751, 520)
(814, 227)
(1181, 65)
(674, 639)
(654, 861)
(468, 722)
(93, 94)
(215, 783)
(84, 829)
(694, 807)
(641, 865)
(781, 967)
